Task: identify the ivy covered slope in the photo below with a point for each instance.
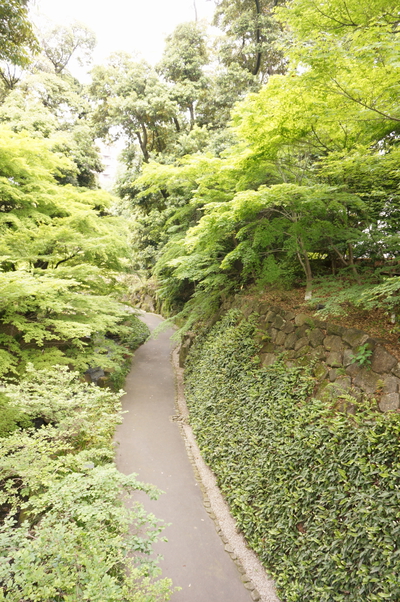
(315, 491)
(65, 532)
(61, 252)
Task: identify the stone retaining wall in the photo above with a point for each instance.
(336, 353)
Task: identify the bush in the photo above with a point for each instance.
(65, 532)
(87, 546)
(10, 417)
(132, 333)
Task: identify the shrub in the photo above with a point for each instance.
(10, 417)
(66, 533)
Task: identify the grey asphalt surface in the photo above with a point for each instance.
(150, 444)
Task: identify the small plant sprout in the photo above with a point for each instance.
(362, 356)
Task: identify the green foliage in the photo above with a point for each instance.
(47, 320)
(16, 32)
(49, 106)
(76, 537)
(384, 295)
(334, 296)
(309, 186)
(130, 335)
(185, 54)
(362, 357)
(131, 100)
(337, 295)
(21, 112)
(251, 36)
(183, 61)
(70, 559)
(11, 417)
(351, 49)
(315, 491)
(62, 42)
(67, 528)
(182, 106)
(57, 397)
(136, 332)
(60, 252)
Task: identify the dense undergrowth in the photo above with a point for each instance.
(65, 532)
(118, 349)
(315, 491)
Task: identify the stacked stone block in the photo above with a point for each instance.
(333, 350)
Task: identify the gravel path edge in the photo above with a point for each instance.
(253, 574)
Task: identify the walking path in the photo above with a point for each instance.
(151, 445)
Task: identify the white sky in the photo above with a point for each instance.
(129, 25)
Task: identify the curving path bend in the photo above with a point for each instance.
(150, 444)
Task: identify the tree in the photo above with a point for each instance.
(309, 183)
(60, 252)
(349, 52)
(340, 92)
(132, 101)
(226, 86)
(61, 43)
(45, 104)
(183, 61)
(251, 33)
(17, 39)
(10, 75)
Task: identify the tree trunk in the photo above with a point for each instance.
(352, 264)
(143, 141)
(305, 264)
(192, 117)
(258, 59)
(333, 265)
(177, 126)
(9, 78)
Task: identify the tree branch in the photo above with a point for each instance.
(363, 104)
(66, 259)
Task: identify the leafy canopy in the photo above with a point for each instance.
(60, 253)
(17, 39)
(309, 183)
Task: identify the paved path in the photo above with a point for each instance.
(150, 445)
